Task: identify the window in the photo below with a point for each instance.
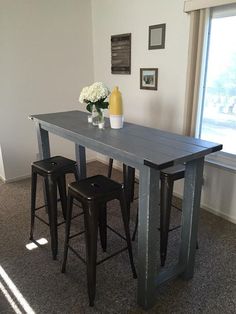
(217, 110)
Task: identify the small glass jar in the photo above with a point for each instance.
(90, 118)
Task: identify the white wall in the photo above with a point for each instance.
(164, 108)
(219, 191)
(46, 57)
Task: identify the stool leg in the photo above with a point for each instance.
(110, 167)
(132, 181)
(124, 212)
(103, 226)
(136, 227)
(33, 202)
(129, 180)
(76, 173)
(51, 192)
(91, 233)
(67, 230)
(61, 181)
(165, 209)
(197, 245)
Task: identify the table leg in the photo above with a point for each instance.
(43, 142)
(44, 151)
(190, 215)
(147, 236)
(80, 154)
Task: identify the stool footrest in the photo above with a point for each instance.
(77, 254)
(46, 223)
(45, 205)
(116, 232)
(101, 261)
(174, 228)
(77, 234)
(180, 209)
(104, 259)
(77, 204)
(112, 255)
(41, 219)
(60, 223)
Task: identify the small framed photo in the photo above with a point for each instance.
(157, 34)
(148, 78)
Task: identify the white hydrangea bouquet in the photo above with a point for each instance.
(95, 95)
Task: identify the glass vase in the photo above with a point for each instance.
(97, 117)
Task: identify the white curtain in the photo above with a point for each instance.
(195, 59)
(199, 22)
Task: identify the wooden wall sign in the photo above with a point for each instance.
(121, 54)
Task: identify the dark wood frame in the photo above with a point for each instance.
(163, 35)
(155, 70)
(121, 54)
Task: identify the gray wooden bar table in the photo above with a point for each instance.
(148, 150)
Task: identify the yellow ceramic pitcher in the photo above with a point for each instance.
(116, 109)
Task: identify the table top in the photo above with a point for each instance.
(135, 143)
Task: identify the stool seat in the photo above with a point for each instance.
(176, 172)
(54, 165)
(97, 187)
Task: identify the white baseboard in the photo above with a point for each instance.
(212, 211)
(16, 178)
(2, 180)
(222, 215)
(19, 178)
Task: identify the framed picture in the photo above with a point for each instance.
(121, 54)
(157, 34)
(148, 78)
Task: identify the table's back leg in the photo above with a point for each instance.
(80, 154)
(147, 236)
(43, 142)
(190, 215)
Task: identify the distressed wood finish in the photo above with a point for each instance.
(190, 215)
(137, 144)
(121, 54)
(43, 142)
(147, 235)
(149, 150)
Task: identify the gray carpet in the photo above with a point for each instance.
(39, 280)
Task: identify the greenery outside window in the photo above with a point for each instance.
(216, 118)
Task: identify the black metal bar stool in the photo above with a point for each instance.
(128, 182)
(94, 193)
(53, 170)
(167, 177)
